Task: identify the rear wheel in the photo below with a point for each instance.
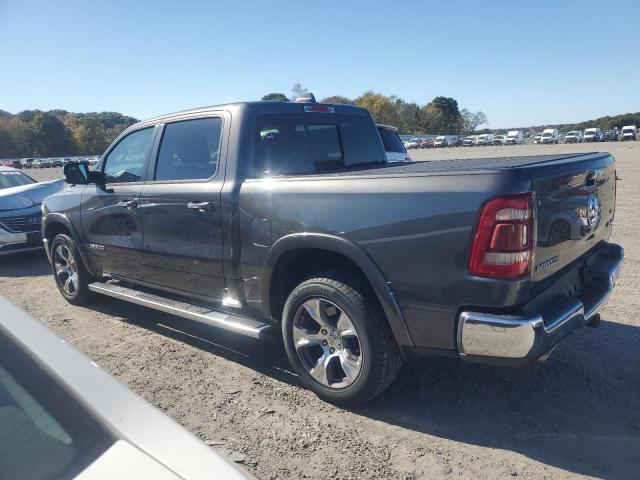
(338, 340)
(71, 277)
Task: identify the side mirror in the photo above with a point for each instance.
(79, 174)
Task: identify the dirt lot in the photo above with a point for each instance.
(577, 415)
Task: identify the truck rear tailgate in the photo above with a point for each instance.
(574, 208)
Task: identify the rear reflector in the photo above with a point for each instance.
(503, 242)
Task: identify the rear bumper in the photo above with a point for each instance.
(526, 335)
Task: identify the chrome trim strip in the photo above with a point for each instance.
(214, 318)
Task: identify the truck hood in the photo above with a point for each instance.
(25, 196)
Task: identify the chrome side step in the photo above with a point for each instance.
(234, 323)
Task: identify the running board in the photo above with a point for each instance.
(234, 323)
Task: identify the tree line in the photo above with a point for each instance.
(34, 133)
(440, 116)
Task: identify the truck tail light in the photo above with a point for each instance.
(503, 242)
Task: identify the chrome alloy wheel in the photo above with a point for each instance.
(327, 343)
(66, 269)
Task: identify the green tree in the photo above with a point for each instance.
(381, 108)
(337, 99)
(442, 116)
(275, 97)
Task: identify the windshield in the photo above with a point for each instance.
(391, 140)
(572, 134)
(44, 432)
(14, 179)
(547, 135)
(589, 132)
(628, 130)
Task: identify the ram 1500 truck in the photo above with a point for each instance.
(285, 217)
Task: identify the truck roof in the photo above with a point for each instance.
(270, 107)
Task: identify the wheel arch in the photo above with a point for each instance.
(334, 246)
(57, 223)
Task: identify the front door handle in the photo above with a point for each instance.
(200, 206)
(128, 204)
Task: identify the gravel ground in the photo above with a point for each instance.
(577, 415)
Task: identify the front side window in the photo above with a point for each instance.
(189, 150)
(125, 163)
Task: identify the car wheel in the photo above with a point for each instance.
(338, 339)
(71, 276)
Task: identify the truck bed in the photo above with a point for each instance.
(469, 165)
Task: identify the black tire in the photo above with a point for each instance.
(80, 293)
(379, 355)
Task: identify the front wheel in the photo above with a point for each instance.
(338, 340)
(71, 276)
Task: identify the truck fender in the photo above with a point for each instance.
(356, 254)
(64, 220)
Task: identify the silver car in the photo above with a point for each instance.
(62, 416)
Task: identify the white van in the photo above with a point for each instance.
(469, 141)
(550, 135)
(444, 141)
(514, 137)
(592, 135)
(574, 136)
(628, 133)
(485, 139)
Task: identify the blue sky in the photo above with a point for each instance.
(521, 63)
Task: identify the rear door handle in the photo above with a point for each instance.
(200, 206)
(128, 204)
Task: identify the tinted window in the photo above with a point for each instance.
(360, 141)
(14, 179)
(391, 141)
(291, 144)
(189, 150)
(125, 163)
(44, 432)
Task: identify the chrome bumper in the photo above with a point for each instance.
(529, 335)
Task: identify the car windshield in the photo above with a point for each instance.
(627, 130)
(14, 179)
(391, 141)
(44, 432)
(589, 132)
(547, 134)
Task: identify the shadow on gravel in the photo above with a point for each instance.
(27, 264)
(580, 411)
(263, 356)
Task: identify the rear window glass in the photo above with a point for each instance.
(391, 141)
(296, 144)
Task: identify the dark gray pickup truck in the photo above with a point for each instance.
(266, 216)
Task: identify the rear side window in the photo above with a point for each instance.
(391, 141)
(189, 150)
(297, 144)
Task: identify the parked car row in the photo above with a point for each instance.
(47, 162)
(517, 137)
